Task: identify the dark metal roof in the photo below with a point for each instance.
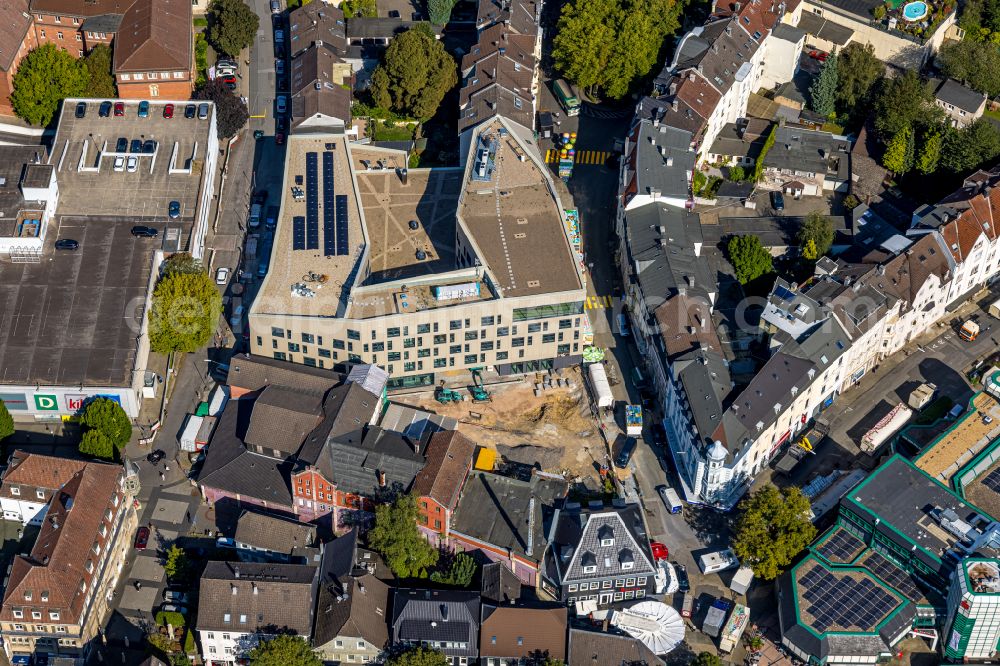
(355, 460)
(663, 160)
(954, 93)
(575, 537)
(437, 615)
(257, 596)
(597, 648)
(821, 28)
(499, 584)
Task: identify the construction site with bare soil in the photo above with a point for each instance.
(552, 427)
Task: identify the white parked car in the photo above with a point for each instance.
(222, 275)
(119, 164)
(132, 164)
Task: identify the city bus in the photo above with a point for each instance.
(566, 98)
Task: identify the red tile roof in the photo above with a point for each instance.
(37, 471)
(54, 574)
(155, 35)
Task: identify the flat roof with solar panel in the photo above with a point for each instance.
(320, 225)
(843, 599)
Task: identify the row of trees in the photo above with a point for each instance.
(608, 45)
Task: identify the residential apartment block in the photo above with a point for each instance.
(154, 51)
(29, 482)
(241, 603)
(445, 620)
(17, 37)
(56, 598)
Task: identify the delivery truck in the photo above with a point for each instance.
(886, 428)
(599, 384)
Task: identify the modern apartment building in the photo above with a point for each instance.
(422, 272)
(57, 598)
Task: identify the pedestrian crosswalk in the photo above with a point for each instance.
(581, 156)
(597, 302)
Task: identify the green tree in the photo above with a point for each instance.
(971, 147)
(234, 26)
(96, 443)
(737, 174)
(903, 101)
(929, 155)
(817, 228)
(749, 258)
(809, 251)
(177, 566)
(773, 527)
(359, 8)
(858, 72)
(6, 422)
(610, 44)
(414, 74)
(706, 659)
(460, 572)
(440, 11)
(46, 77)
(758, 166)
(231, 114)
(823, 92)
(898, 156)
(975, 63)
(102, 81)
(397, 538)
(283, 650)
(182, 263)
(419, 656)
(184, 312)
(107, 417)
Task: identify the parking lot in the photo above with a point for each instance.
(86, 149)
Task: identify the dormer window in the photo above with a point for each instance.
(36, 615)
(39, 493)
(27, 595)
(14, 490)
(626, 559)
(45, 595)
(606, 535)
(589, 562)
(18, 613)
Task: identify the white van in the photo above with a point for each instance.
(670, 499)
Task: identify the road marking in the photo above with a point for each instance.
(597, 302)
(581, 156)
(263, 115)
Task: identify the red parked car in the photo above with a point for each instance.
(168, 111)
(660, 552)
(279, 138)
(141, 538)
(819, 55)
(119, 109)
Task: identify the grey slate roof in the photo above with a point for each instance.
(354, 461)
(255, 372)
(499, 585)
(316, 22)
(663, 160)
(705, 378)
(960, 96)
(273, 533)
(730, 142)
(230, 467)
(416, 424)
(819, 27)
(787, 32)
(577, 535)
(363, 614)
(597, 648)
(495, 509)
(718, 50)
(102, 23)
(282, 417)
(801, 150)
(271, 596)
(347, 408)
(662, 241)
(437, 615)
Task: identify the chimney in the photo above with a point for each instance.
(361, 588)
(673, 87)
(233, 587)
(656, 121)
(381, 479)
(675, 105)
(670, 161)
(652, 140)
(654, 193)
(254, 587)
(236, 572)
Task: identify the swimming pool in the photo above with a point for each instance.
(915, 11)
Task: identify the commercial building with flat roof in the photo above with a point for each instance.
(422, 272)
(906, 555)
(75, 321)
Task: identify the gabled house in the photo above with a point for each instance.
(352, 606)
(29, 482)
(598, 648)
(260, 537)
(439, 484)
(600, 555)
(514, 635)
(55, 601)
(445, 620)
(154, 51)
(241, 603)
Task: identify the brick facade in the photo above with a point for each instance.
(7, 76)
(153, 88)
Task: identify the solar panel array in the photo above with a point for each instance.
(844, 602)
(298, 233)
(783, 293)
(341, 205)
(992, 480)
(329, 238)
(312, 202)
(893, 575)
(841, 547)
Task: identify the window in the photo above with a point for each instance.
(423, 328)
(308, 338)
(440, 363)
(606, 584)
(423, 353)
(309, 361)
(486, 345)
(591, 569)
(517, 342)
(630, 582)
(470, 359)
(14, 490)
(36, 615)
(641, 581)
(487, 321)
(79, 38)
(502, 331)
(572, 588)
(324, 353)
(548, 337)
(226, 617)
(280, 356)
(378, 346)
(409, 343)
(534, 328)
(455, 325)
(502, 356)
(565, 323)
(243, 619)
(562, 349)
(54, 615)
(409, 366)
(18, 613)
(472, 335)
(628, 565)
(353, 335)
(546, 311)
(455, 349)
(440, 339)
(294, 347)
